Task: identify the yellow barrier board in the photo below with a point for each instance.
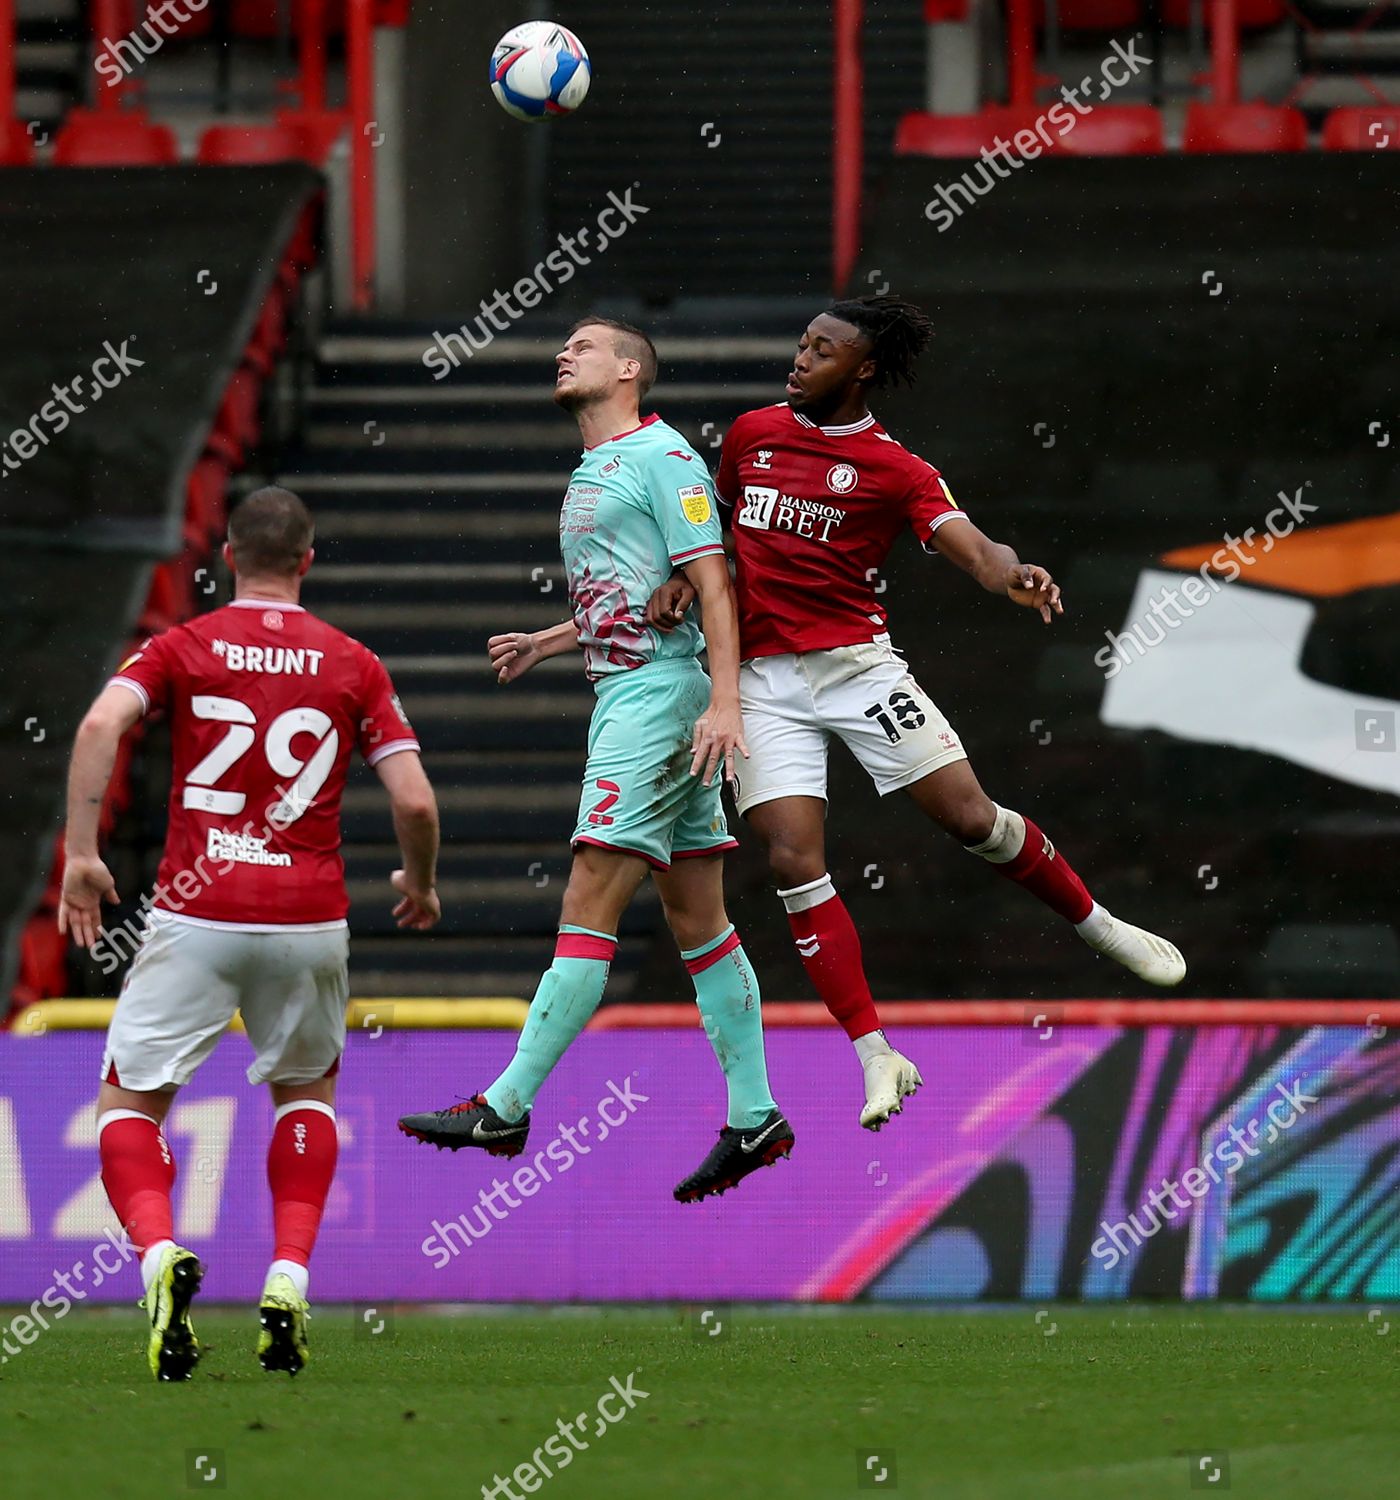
(426, 1013)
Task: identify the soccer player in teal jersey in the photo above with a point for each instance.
(639, 505)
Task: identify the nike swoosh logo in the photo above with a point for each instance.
(753, 1145)
(478, 1134)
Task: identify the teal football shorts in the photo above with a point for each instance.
(638, 794)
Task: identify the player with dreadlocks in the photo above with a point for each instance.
(820, 492)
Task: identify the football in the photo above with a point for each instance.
(538, 70)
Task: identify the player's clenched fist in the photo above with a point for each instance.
(667, 606)
(419, 909)
(513, 654)
(1033, 587)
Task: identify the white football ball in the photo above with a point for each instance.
(538, 70)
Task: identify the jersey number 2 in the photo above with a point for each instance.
(201, 792)
(601, 815)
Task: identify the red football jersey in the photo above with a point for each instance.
(266, 703)
(816, 511)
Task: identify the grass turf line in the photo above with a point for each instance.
(974, 1406)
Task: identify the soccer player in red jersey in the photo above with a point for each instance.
(266, 705)
(820, 492)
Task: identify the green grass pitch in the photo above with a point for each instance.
(970, 1405)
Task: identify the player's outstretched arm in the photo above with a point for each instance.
(87, 882)
(416, 827)
(997, 568)
(515, 652)
(719, 731)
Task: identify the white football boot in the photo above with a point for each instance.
(1150, 957)
(889, 1078)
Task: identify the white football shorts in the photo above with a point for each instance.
(863, 694)
(188, 978)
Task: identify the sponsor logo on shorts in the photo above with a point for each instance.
(242, 849)
(695, 502)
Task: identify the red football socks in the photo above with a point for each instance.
(829, 946)
(1038, 867)
(138, 1172)
(300, 1166)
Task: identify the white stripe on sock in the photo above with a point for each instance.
(316, 1104)
(112, 1115)
(805, 897)
(1006, 840)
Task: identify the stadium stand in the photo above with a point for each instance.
(476, 468)
(103, 538)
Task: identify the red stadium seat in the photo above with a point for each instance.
(323, 129)
(206, 500)
(1372, 128)
(43, 957)
(16, 144)
(269, 336)
(106, 138)
(1114, 130)
(1253, 15)
(235, 427)
(171, 597)
(250, 145)
(920, 134)
(1244, 127)
(1119, 130)
(302, 249)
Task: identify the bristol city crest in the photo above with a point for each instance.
(842, 479)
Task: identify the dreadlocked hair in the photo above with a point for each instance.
(898, 332)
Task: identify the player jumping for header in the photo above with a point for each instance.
(639, 504)
(820, 493)
(266, 706)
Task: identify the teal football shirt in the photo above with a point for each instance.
(638, 506)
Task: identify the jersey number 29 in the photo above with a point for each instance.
(201, 792)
